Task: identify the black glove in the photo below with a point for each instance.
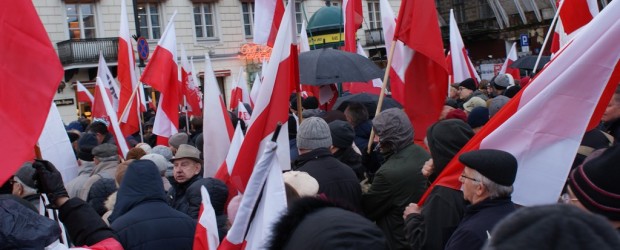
(48, 180)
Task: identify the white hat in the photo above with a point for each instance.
(302, 182)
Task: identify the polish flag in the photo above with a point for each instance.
(206, 236)
(353, 17)
(304, 43)
(243, 114)
(254, 90)
(218, 134)
(30, 73)
(267, 18)
(108, 81)
(162, 74)
(239, 92)
(510, 58)
(574, 14)
(371, 87)
(103, 109)
(272, 104)
(402, 55)
(462, 68)
(127, 77)
(425, 71)
(190, 89)
(225, 170)
(56, 147)
(83, 94)
(261, 205)
(542, 126)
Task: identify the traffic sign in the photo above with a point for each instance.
(143, 48)
(524, 39)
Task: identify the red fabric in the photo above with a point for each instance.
(162, 74)
(397, 87)
(574, 15)
(354, 18)
(426, 74)
(359, 87)
(30, 73)
(236, 96)
(125, 61)
(555, 42)
(266, 122)
(83, 97)
(191, 95)
(200, 237)
(107, 244)
(275, 25)
(163, 141)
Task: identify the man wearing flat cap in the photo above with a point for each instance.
(487, 184)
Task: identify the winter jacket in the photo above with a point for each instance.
(397, 183)
(75, 186)
(613, 128)
(478, 223)
(373, 161)
(441, 214)
(106, 169)
(99, 192)
(141, 217)
(178, 196)
(352, 159)
(336, 180)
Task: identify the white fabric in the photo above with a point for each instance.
(510, 58)
(207, 220)
(461, 64)
(56, 147)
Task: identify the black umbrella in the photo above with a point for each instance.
(327, 66)
(528, 62)
(368, 100)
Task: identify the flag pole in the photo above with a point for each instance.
(299, 114)
(551, 29)
(386, 76)
(138, 102)
(186, 115)
(133, 94)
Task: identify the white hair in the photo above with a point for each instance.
(27, 189)
(495, 190)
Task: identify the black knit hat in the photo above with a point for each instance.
(86, 143)
(445, 139)
(497, 165)
(468, 84)
(596, 185)
(342, 134)
(478, 117)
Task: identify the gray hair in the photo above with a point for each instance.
(495, 190)
(27, 189)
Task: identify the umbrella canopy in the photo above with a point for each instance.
(368, 100)
(528, 62)
(327, 66)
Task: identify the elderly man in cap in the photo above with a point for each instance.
(186, 171)
(23, 185)
(399, 181)
(106, 160)
(336, 180)
(487, 184)
(499, 84)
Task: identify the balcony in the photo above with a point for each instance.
(86, 51)
(374, 37)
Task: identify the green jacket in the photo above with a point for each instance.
(397, 183)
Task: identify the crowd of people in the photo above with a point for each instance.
(340, 194)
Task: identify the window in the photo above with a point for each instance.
(148, 16)
(204, 21)
(374, 15)
(247, 10)
(459, 10)
(81, 21)
(298, 15)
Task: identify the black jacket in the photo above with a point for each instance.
(440, 216)
(141, 217)
(178, 196)
(479, 220)
(352, 159)
(613, 128)
(99, 192)
(336, 180)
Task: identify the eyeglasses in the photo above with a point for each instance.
(469, 178)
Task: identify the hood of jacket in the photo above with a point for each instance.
(142, 183)
(22, 228)
(445, 139)
(394, 130)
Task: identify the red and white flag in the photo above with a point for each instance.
(353, 18)
(218, 134)
(462, 68)
(510, 58)
(272, 104)
(252, 232)
(254, 90)
(542, 126)
(103, 109)
(574, 14)
(83, 94)
(243, 114)
(108, 81)
(402, 55)
(196, 86)
(56, 147)
(225, 170)
(425, 72)
(206, 236)
(239, 92)
(130, 121)
(267, 18)
(162, 74)
(190, 89)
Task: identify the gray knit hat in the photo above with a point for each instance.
(503, 81)
(177, 139)
(313, 133)
(105, 150)
(496, 104)
(159, 160)
(25, 174)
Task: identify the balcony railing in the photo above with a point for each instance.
(374, 37)
(86, 51)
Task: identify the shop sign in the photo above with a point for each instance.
(251, 51)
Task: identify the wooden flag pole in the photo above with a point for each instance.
(551, 29)
(299, 114)
(386, 76)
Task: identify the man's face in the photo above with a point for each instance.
(453, 92)
(470, 185)
(185, 169)
(612, 112)
(464, 93)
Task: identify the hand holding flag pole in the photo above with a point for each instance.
(386, 76)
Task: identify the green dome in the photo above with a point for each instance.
(326, 18)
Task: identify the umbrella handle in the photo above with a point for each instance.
(386, 76)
